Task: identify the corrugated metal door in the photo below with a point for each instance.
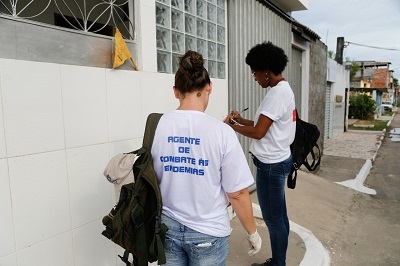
(249, 23)
(328, 96)
(296, 81)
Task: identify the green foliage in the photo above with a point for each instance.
(361, 106)
(354, 68)
(331, 55)
(377, 125)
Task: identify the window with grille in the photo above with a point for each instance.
(197, 25)
(99, 17)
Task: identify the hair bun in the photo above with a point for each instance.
(191, 74)
(192, 62)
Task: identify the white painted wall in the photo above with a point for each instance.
(59, 126)
(340, 78)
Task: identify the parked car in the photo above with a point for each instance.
(387, 106)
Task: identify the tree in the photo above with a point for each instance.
(354, 68)
(331, 55)
(361, 106)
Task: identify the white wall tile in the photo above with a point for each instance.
(7, 242)
(124, 146)
(89, 190)
(39, 193)
(91, 247)
(3, 152)
(218, 103)
(157, 94)
(85, 105)
(10, 260)
(54, 251)
(31, 107)
(124, 105)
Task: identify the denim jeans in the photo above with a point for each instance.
(270, 182)
(187, 247)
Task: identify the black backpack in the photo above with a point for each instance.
(304, 143)
(135, 222)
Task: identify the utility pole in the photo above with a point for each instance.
(339, 50)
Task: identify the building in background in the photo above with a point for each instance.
(375, 79)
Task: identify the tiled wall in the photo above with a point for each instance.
(59, 126)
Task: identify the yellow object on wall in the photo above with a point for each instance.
(122, 52)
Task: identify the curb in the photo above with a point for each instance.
(358, 182)
(315, 254)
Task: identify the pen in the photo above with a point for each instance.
(245, 109)
(232, 121)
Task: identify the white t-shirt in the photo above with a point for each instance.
(197, 159)
(279, 106)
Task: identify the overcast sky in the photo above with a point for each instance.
(367, 22)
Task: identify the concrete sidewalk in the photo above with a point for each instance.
(318, 204)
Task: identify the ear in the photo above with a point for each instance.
(176, 93)
(209, 88)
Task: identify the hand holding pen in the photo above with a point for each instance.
(235, 116)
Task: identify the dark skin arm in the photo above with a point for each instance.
(248, 129)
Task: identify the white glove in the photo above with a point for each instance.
(254, 243)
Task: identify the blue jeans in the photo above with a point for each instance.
(187, 247)
(270, 182)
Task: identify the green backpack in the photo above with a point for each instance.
(135, 222)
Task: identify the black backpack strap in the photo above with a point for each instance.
(125, 258)
(138, 220)
(315, 163)
(291, 181)
(137, 214)
(150, 130)
(157, 247)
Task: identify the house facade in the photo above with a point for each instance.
(336, 107)
(64, 112)
(375, 79)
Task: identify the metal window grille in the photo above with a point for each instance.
(99, 17)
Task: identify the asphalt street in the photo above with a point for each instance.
(332, 224)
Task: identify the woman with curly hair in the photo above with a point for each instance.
(200, 167)
(272, 131)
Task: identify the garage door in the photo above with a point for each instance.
(327, 112)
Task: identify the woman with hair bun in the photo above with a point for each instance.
(200, 167)
(272, 131)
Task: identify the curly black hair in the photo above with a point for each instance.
(267, 56)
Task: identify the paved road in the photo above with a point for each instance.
(372, 232)
(355, 228)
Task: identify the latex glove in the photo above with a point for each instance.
(254, 243)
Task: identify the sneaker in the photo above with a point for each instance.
(268, 262)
